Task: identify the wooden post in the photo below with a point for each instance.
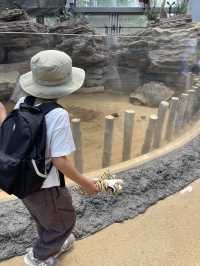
(78, 159)
(149, 134)
(108, 135)
(197, 97)
(188, 84)
(181, 109)
(128, 134)
(184, 110)
(190, 106)
(171, 118)
(162, 111)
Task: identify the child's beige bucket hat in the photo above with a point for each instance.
(52, 75)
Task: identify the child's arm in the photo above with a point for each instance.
(3, 113)
(66, 167)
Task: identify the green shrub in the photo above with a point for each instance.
(151, 14)
(181, 8)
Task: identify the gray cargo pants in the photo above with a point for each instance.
(52, 210)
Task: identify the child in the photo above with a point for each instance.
(52, 77)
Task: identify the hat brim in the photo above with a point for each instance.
(53, 92)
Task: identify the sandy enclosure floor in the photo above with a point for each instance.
(92, 109)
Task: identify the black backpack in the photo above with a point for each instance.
(22, 149)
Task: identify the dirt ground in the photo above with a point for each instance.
(92, 109)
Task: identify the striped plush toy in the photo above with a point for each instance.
(106, 183)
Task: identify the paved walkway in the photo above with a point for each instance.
(167, 234)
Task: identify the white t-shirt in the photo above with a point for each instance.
(59, 140)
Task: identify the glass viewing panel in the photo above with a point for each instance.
(122, 72)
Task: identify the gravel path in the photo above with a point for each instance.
(144, 186)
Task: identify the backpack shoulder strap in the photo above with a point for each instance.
(30, 100)
(62, 179)
(49, 106)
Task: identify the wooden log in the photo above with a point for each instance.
(184, 110)
(171, 118)
(128, 134)
(190, 106)
(181, 109)
(162, 111)
(188, 83)
(149, 134)
(108, 136)
(196, 99)
(78, 158)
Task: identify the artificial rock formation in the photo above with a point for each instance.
(13, 15)
(17, 36)
(156, 54)
(35, 7)
(171, 22)
(17, 20)
(87, 52)
(151, 94)
(121, 64)
(7, 83)
(18, 43)
(79, 25)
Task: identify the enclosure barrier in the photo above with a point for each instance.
(188, 83)
(76, 130)
(162, 111)
(181, 109)
(190, 105)
(128, 134)
(172, 116)
(108, 136)
(149, 134)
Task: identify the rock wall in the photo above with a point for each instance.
(35, 7)
(29, 4)
(121, 64)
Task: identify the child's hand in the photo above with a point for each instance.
(91, 187)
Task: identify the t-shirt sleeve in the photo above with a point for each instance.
(62, 142)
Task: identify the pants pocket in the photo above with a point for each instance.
(63, 208)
